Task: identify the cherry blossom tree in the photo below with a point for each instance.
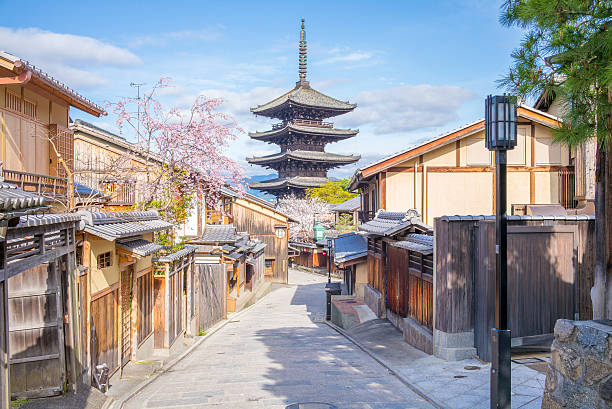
(306, 212)
(183, 151)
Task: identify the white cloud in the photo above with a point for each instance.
(43, 47)
(163, 39)
(350, 57)
(407, 108)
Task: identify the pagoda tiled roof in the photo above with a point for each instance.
(295, 181)
(305, 96)
(312, 156)
(311, 130)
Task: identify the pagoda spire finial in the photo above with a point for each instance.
(302, 59)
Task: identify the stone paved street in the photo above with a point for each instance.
(278, 353)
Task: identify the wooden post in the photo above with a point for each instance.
(87, 302)
(414, 197)
(5, 388)
(167, 307)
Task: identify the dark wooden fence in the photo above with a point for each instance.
(550, 273)
(376, 266)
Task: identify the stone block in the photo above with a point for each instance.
(549, 403)
(453, 346)
(416, 335)
(595, 370)
(567, 362)
(564, 330)
(551, 379)
(373, 299)
(605, 390)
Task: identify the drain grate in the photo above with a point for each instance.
(311, 405)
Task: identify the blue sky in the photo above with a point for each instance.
(416, 69)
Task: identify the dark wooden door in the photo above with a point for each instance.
(541, 282)
(104, 314)
(126, 314)
(36, 334)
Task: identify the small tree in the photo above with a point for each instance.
(333, 191)
(306, 212)
(567, 52)
(183, 151)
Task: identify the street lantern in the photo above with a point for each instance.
(500, 136)
(318, 229)
(330, 243)
(500, 122)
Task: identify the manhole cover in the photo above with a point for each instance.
(311, 405)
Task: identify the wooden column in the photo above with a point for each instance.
(424, 193)
(87, 309)
(134, 316)
(167, 307)
(414, 197)
(532, 190)
(383, 190)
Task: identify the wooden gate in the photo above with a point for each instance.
(126, 314)
(541, 282)
(104, 313)
(36, 334)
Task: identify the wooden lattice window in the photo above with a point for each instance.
(63, 139)
(104, 260)
(29, 108)
(13, 101)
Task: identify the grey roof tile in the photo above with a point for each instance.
(118, 225)
(349, 246)
(315, 156)
(349, 205)
(303, 94)
(13, 198)
(297, 181)
(140, 247)
(217, 233)
(332, 133)
(388, 223)
(168, 258)
(45, 219)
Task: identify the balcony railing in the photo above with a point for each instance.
(304, 122)
(53, 187)
(121, 193)
(365, 215)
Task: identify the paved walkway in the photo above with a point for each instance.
(278, 353)
(457, 385)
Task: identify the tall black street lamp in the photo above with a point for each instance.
(330, 242)
(500, 135)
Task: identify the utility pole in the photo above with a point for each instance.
(138, 85)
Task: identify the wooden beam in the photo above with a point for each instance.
(458, 153)
(383, 190)
(532, 187)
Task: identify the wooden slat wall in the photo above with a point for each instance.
(465, 249)
(454, 278)
(159, 313)
(261, 226)
(104, 311)
(211, 293)
(36, 332)
(145, 306)
(375, 263)
(410, 285)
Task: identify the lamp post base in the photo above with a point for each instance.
(500, 369)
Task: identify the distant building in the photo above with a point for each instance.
(302, 135)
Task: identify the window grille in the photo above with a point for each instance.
(104, 260)
(13, 101)
(29, 108)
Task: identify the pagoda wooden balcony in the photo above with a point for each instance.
(51, 187)
(304, 122)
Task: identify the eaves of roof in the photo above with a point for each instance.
(50, 84)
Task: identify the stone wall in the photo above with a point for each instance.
(580, 372)
(373, 299)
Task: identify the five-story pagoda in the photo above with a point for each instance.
(302, 162)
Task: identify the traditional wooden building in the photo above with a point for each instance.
(116, 285)
(242, 258)
(302, 135)
(349, 207)
(454, 173)
(100, 163)
(36, 145)
(400, 273)
(350, 255)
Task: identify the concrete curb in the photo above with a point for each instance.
(112, 403)
(396, 372)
